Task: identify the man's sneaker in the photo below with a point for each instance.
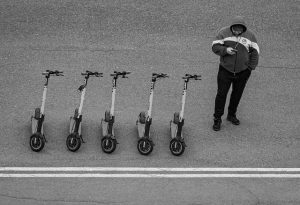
(217, 124)
(233, 119)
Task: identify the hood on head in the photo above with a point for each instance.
(238, 20)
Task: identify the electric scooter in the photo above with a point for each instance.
(75, 139)
(145, 143)
(177, 144)
(38, 139)
(108, 141)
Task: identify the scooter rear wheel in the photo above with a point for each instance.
(73, 142)
(108, 144)
(145, 146)
(176, 147)
(37, 142)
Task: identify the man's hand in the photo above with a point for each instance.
(231, 51)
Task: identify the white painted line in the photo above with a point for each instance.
(149, 175)
(147, 169)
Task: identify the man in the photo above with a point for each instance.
(238, 51)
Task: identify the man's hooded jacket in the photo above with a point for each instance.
(247, 53)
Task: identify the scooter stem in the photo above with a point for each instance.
(113, 98)
(81, 101)
(183, 101)
(44, 100)
(151, 99)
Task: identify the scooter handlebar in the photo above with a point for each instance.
(159, 75)
(89, 73)
(55, 72)
(189, 76)
(123, 74)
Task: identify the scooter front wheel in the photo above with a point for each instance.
(176, 147)
(73, 142)
(145, 146)
(108, 144)
(37, 142)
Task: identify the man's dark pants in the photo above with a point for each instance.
(225, 79)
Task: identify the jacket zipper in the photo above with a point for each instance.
(235, 55)
(234, 65)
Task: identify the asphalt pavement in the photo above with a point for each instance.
(173, 37)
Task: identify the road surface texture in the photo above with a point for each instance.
(169, 36)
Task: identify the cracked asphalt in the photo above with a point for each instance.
(169, 36)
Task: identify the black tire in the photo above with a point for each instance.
(73, 142)
(176, 147)
(142, 117)
(108, 144)
(176, 118)
(145, 146)
(37, 113)
(37, 142)
(107, 116)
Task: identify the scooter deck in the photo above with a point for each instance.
(72, 126)
(141, 129)
(104, 126)
(174, 128)
(34, 125)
